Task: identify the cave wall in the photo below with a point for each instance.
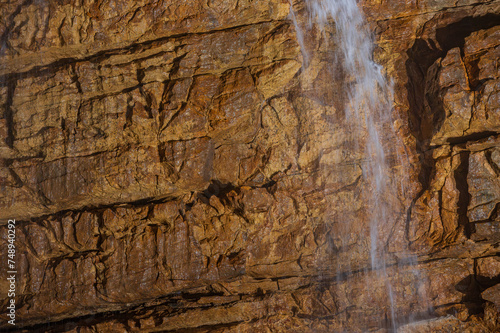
(177, 166)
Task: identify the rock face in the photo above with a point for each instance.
(179, 166)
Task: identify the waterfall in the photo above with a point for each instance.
(370, 97)
(368, 115)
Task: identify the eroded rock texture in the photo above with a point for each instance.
(178, 166)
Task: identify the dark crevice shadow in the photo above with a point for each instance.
(464, 197)
(472, 286)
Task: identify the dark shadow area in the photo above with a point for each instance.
(218, 189)
(462, 185)
(472, 286)
(471, 137)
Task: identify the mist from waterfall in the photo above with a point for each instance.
(368, 112)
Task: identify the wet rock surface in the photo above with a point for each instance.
(178, 166)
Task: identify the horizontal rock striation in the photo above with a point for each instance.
(178, 167)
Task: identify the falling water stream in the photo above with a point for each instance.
(367, 112)
(369, 97)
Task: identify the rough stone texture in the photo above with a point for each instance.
(177, 166)
(443, 324)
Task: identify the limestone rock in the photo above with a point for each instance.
(186, 166)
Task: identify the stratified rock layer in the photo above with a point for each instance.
(178, 166)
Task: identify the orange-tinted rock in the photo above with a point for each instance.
(444, 324)
(463, 86)
(178, 166)
(484, 183)
(493, 295)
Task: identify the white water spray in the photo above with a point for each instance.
(368, 112)
(300, 36)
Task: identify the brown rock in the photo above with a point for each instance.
(493, 295)
(179, 166)
(444, 324)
